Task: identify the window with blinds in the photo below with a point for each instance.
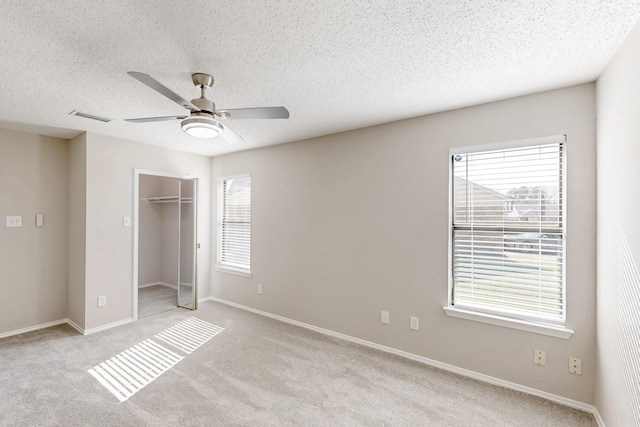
(508, 231)
(234, 223)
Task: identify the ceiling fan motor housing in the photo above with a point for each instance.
(204, 104)
(203, 81)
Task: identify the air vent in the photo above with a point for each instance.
(90, 116)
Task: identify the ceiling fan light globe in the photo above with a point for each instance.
(200, 131)
(202, 127)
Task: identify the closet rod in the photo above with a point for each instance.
(167, 199)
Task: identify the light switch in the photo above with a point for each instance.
(575, 366)
(414, 323)
(384, 317)
(39, 220)
(126, 221)
(14, 221)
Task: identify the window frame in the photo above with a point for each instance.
(220, 265)
(559, 329)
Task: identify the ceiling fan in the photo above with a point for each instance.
(202, 121)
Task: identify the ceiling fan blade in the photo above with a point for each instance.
(162, 89)
(155, 119)
(256, 113)
(229, 135)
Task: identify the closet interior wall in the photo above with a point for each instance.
(158, 232)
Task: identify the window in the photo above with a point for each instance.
(508, 232)
(234, 224)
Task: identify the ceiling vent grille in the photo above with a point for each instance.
(90, 116)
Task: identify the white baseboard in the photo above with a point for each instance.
(599, 419)
(168, 285)
(75, 326)
(69, 322)
(33, 328)
(148, 285)
(107, 326)
(444, 366)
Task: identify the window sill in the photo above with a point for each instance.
(231, 270)
(536, 328)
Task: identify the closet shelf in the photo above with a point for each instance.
(168, 199)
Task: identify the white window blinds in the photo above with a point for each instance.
(508, 233)
(234, 224)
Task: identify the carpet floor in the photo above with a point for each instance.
(156, 299)
(257, 371)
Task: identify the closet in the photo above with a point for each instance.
(166, 244)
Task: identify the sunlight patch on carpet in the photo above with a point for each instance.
(190, 334)
(128, 372)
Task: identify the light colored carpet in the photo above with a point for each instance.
(156, 299)
(258, 371)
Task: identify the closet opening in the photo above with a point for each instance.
(164, 243)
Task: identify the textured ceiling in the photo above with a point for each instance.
(335, 64)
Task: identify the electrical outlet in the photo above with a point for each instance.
(539, 357)
(575, 366)
(102, 301)
(384, 317)
(260, 289)
(414, 323)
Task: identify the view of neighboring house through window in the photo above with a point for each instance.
(234, 223)
(508, 231)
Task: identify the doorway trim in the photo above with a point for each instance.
(136, 213)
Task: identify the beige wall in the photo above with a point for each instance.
(618, 313)
(34, 179)
(350, 224)
(150, 231)
(109, 253)
(84, 187)
(170, 233)
(77, 192)
(158, 237)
